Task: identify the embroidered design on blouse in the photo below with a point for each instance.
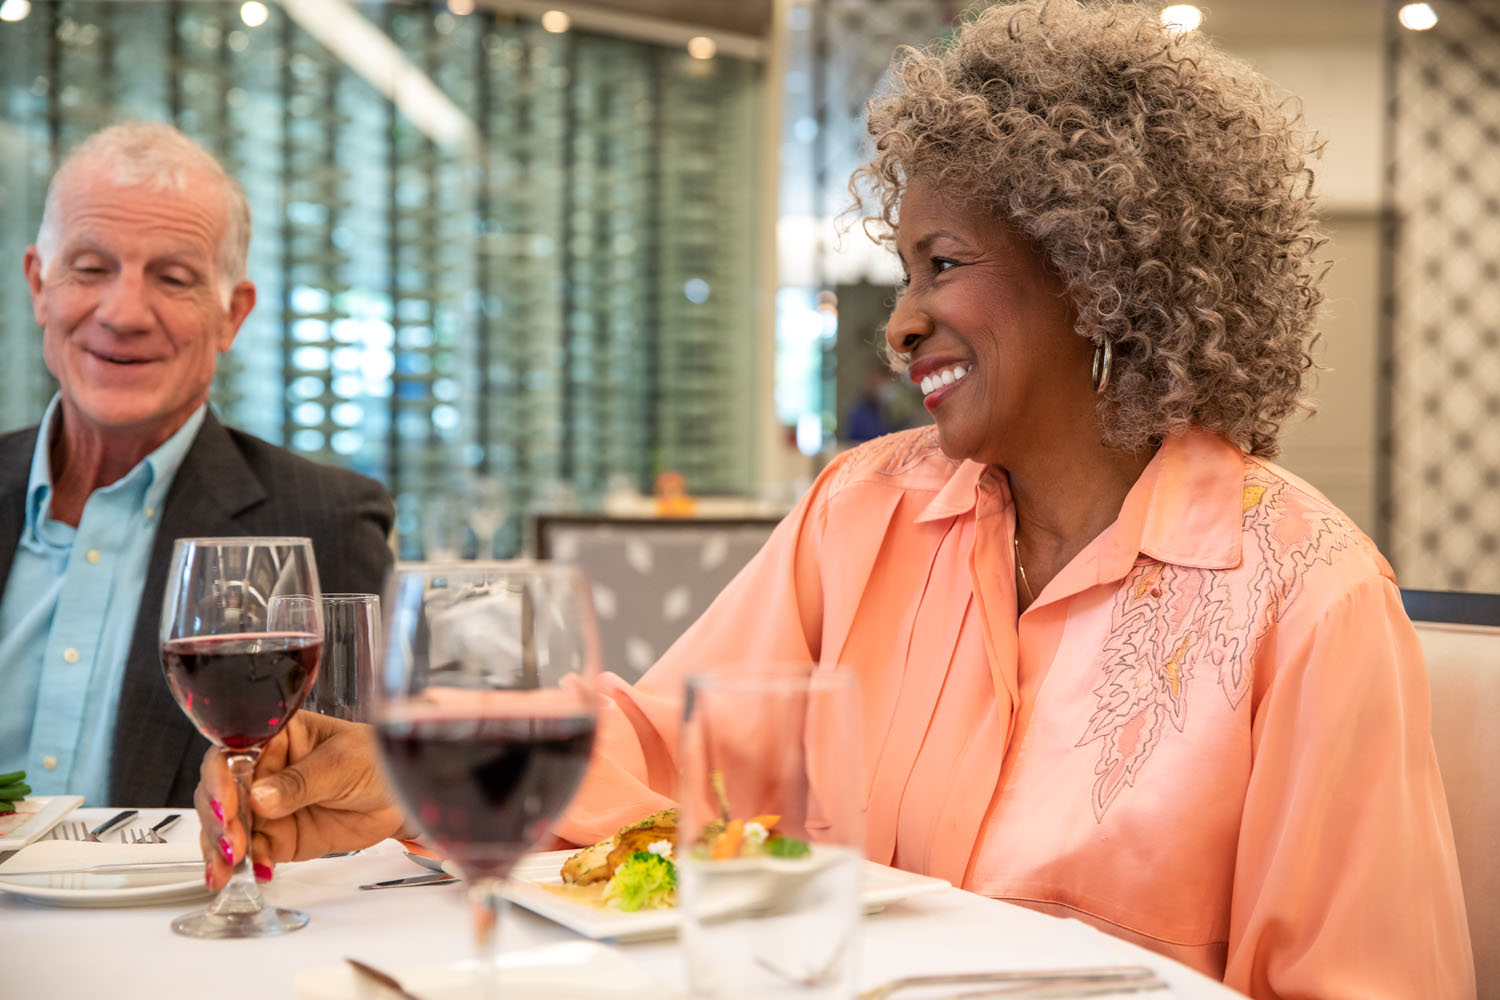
(1172, 623)
(892, 455)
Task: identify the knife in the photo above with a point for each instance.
(111, 823)
(111, 868)
(432, 878)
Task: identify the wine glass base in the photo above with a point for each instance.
(268, 922)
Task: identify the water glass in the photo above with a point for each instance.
(771, 839)
(351, 637)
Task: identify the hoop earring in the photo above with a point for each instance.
(1104, 359)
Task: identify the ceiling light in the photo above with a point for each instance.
(556, 21)
(701, 47)
(1417, 16)
(1181, 17)
(253, 13)
(461, 8)
(15, 10)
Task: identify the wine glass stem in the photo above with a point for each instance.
(487, 905)
(241, 894)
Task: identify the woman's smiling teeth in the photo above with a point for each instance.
(947, 376)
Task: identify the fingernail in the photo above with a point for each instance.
(208, 877)
(217, 808)
(262, 872)
(226, 849)
(265, 795)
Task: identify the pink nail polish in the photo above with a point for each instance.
(226, 849)
(262, 872)
(208, 877)
(217, 808)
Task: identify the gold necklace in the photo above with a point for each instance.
(1021, 570)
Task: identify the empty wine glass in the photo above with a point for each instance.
(484, 714)
(351, 639)
(240, 658)
(487, 503)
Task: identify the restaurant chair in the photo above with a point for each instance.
(651, 577)
(1460, 635)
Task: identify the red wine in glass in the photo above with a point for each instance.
(241, 636)
(239, 690)
(484, 715)
(486, 790)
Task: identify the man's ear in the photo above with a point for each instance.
(32, 265)
(241, 301)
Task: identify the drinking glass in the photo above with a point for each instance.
(351, 637)
(240, 660)
(771, 839)
(484, 714)
(487, 502)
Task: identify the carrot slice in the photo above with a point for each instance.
(728, 844)
(767, 820)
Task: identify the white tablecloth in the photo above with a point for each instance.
(102, 954)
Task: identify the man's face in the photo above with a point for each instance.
(131, 305)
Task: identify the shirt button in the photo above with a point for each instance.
(150, 513)
(92, 556)
(70, 654)
(49, 762)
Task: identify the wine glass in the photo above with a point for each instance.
(351, 638)
(484, 714)
(486, 514)
(240, 659)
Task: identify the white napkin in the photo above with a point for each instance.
(569, 969)
(45, 855)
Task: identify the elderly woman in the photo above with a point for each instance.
(1114, 664)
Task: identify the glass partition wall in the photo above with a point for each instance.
(484, 251)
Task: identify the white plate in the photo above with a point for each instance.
(33, 817)
(562, 971)
(92, 890)
(882, 886)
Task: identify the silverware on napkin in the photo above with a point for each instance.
(1032, 983)
(111, 823)
(431, 878)
(112, 868)
(167, 822)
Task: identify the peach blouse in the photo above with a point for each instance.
(1209, 734)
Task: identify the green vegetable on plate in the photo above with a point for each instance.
(645, 881)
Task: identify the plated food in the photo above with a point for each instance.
(13, 789)
(636, 868)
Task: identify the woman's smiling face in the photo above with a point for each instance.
(989, 330)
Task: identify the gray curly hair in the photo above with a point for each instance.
(1157, 175)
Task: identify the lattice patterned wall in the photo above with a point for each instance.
(1441, 483)
(568, 305)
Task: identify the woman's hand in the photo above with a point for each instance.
(317, 789)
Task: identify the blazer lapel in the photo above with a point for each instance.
(15, 472)
(152, 735)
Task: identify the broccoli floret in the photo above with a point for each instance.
(645, 881)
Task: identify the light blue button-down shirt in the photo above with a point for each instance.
(67, 616)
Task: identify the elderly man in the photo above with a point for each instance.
(138, 282)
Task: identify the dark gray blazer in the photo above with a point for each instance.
(230, 483)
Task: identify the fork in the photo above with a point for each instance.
(139, 836)
(1034, 983)
(69, 831)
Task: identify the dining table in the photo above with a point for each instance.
(110, 951)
